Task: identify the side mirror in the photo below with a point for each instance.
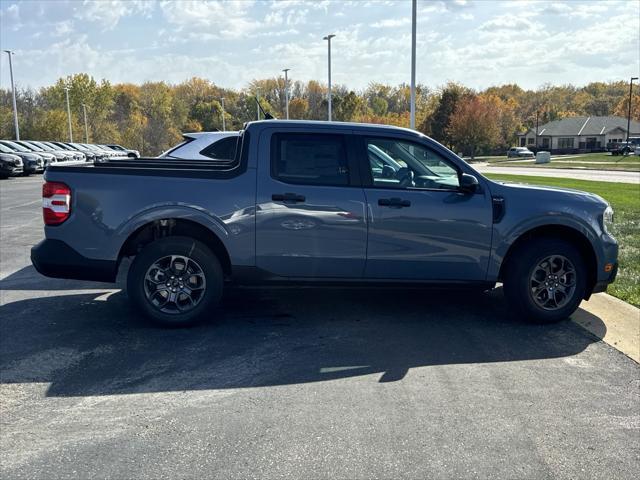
(468, 183)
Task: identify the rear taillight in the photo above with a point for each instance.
(56, 203)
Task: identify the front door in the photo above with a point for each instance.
(310, 212)
(421, 226)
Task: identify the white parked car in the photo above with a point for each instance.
(205, 146)
(519, 152)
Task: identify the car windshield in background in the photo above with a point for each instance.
(224, 149)
(15, 146)
(31, 147)
(5, 149)
(54, 146)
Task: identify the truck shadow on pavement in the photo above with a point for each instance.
(94, 344)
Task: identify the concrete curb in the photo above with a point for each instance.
(616, 323)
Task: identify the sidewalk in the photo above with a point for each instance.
(622, 322)
(576, 174)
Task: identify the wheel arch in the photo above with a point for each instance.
(167, 227)
(562, 232)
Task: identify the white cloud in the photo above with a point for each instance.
(391, 22)
(62, 28)
(229, 19)
(109, 12)
(510, 22)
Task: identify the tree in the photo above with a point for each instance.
(348, 107)
(379, 106)
(474, 124)
(298, 108)
(622, 108)
(437, 125)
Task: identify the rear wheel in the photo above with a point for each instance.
(545, 280)
(175, 281)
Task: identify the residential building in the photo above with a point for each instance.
(578, 134)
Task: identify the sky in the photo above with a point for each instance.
(477, 43)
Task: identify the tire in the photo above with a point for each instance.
(534, 285)
(151, 282)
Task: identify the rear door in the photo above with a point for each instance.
(421, 225)
(310, 208)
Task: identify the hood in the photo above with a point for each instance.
(536, 190)
(29, 156)
(10, 157)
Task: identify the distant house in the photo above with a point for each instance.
(579, 134)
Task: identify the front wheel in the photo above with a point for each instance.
(545, 280)
(175, 281)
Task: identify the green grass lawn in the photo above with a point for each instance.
(625, 200)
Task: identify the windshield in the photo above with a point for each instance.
(31, 147)
(41, 145)
(53, 145)
(77, 146)
(91, 147)
(15, 146)
(5, 149)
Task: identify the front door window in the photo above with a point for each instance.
(402, 164)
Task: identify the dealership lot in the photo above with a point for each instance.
(298, 383)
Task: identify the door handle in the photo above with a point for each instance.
(394, 202)
(288, 197)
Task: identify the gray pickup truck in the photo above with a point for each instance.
(322, 203)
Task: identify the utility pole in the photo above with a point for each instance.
(86, 128)
(13, 93)
(328, 39)
(66, 91)
(629, 111)
(224, 128)
(286, 91)
(413, 64)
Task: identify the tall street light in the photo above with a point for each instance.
(86, 128)
(258, 102)
(328, 39)
(13, 93)
(224, 128)
(286, 91)
(629, 111)
(413, 64)
(66, 91)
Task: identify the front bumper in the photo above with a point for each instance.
(601, 286)
(54, 258)
(11, 171)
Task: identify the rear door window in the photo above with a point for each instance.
(313, 159)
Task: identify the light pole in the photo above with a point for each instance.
(13, 93)
(628, 111)
(86, 128)
(537, 115)
(224, 129)
(258, 102)
(413, 65)
(66, 91)
(286, 91)
(328, 39)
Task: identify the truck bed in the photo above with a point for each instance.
(158, 167)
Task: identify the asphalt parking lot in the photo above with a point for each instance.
(326, 383)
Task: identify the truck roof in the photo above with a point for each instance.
(332, 124)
